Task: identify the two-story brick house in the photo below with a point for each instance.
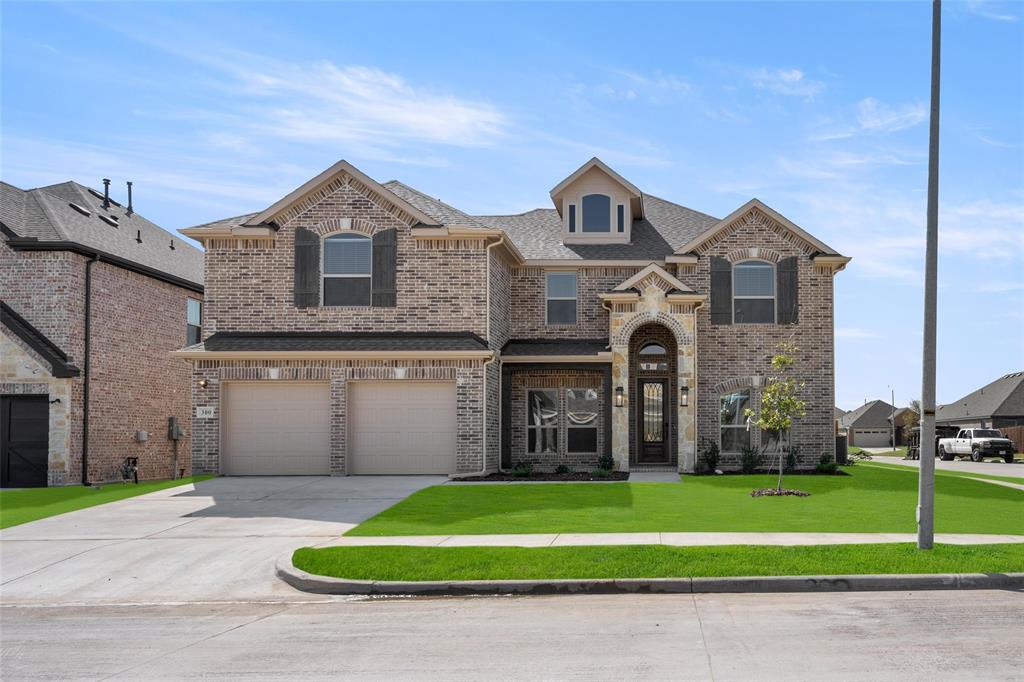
(355, 327)
(93, 298)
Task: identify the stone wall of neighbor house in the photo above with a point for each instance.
(135, 385)
(738, 355)
(441, 284)
(22, 372)
(560, 380)
(529, 304)
(467, 374)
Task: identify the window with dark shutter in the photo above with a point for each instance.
(385, 266)
(721, 291)
(753, 292)
(307, 269)
(346, 269)
(789, 290)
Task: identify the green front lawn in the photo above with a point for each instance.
(650, 561)
(32, 504)
(868, 499)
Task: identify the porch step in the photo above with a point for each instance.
(653, 467)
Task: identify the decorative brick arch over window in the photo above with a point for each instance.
(328, 227)
(736, 383)
(626, 332)
(754, 253)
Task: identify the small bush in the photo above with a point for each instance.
(601, 472)
(606, 461)
(522, 469)
(791, 458)
(709, 455)
(827, 465)
(563, 469)
(750, 460)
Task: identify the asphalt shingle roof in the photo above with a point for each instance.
(542, 347)
(1004, 397)
(342, 341)
(435, 208)
(871, 415)
(37, 341)
(46, 214)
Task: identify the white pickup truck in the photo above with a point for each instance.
(978, 443)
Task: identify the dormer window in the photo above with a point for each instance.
(597, 213)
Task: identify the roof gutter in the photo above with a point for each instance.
(32, 244)
(333, 354)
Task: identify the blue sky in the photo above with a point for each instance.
(820, 110)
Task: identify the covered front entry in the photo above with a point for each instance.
(24, 441)
(652, 363)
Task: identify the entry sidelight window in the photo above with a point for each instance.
(560, 295)
(582, 407)
(542, 421)
(733, 421)
(346, 269)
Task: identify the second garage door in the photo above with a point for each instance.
(401, 427)
(871, 438)
(276, 429)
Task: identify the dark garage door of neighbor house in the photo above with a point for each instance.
(24, 441)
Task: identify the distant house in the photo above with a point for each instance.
(996, 405)
(869, 426)
(839, 412)
(94, 297)
(900, 418)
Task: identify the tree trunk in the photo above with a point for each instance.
(782, 452)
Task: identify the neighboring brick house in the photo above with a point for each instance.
(357, 327)
(65, 250)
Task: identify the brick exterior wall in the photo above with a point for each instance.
(729, 355)
(440, 285)
(134, 385)
(522, 382)
(468, 376)
(529, 304)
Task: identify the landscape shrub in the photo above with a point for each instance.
(563, 469)
(606, 461)
(750, 460)
(709, 455)
(601, 472)
(791, 458)
(827, 465)
(522, 469)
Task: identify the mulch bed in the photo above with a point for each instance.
(775, 492)
(576, 476)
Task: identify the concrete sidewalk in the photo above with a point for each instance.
(671, 539)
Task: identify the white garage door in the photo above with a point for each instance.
(871, 438)
(401, 427)
(276, 429)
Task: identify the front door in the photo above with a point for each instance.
(24, 441)
(652, 421)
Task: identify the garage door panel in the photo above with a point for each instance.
(273, 429)
(402, 427)
(871, 438)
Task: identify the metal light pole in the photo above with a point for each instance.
(926, 483)
(892, 416)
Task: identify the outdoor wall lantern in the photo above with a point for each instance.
(203, 383)
(619, 396)
(684, 394)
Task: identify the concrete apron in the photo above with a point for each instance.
(318, 584)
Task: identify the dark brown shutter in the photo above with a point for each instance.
(788, 290)
(307, 269)
(721, 291)
(385, 263)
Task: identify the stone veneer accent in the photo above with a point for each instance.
(467, 374)
(561, 380)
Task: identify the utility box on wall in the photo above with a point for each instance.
(174, 430)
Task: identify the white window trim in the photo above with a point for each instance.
(750, 401)
(324, 275)
(557, 427)
(569, 425)
(774, 297)
(548, 297)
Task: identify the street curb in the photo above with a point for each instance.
(318, 584)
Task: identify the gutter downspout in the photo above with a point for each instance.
(85, 369)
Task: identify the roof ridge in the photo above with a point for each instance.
(512, 215)
(221, 220)
(48, 211)
(426, 196)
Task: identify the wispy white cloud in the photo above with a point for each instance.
(991, 141)
(990, 10)
(857, 334)
(1000, 287)
(874, 116)
(785, 82)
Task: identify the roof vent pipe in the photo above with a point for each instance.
(106, 192)
(130, 209)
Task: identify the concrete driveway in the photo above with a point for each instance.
(215, 541)
(992, 468)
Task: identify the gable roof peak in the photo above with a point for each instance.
(595, 162)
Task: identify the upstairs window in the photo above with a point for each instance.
(560, 298)
(620, 218)
(597, 213)
(572, 217)
(346, 270)
(753, 292)
(193, 322)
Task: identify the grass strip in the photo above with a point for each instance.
(650, 561)
(945, 472)
(32, 504)
(871, 499)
